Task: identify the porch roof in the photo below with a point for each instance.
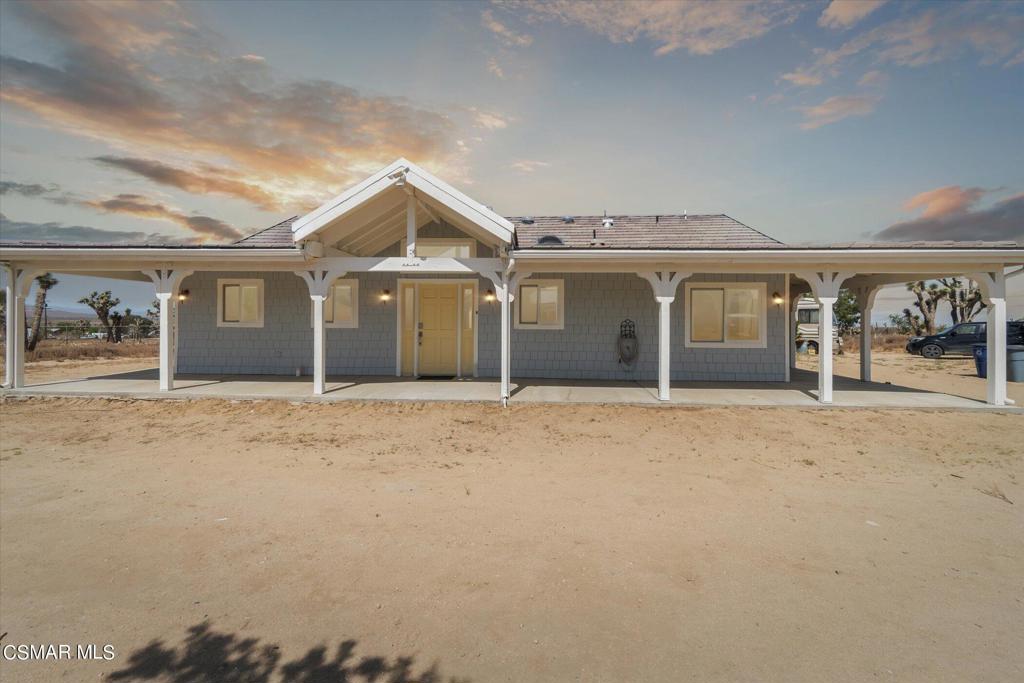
(373, 214)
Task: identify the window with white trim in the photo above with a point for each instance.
(726, 314)
(445, 247)
(239, 303)
(540, 305)
(341, 309)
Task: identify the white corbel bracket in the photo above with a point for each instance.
(167, 280)
(866, 296)
(664, 284)
(992, 285)
(23, 279)
(319, 280)
(825, 284)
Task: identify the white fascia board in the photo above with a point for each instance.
(139, 256)
(428, 184)
(345, 202)
(802, 257)
(456, 201)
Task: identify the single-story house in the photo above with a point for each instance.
(405, 275)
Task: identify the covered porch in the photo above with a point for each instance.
(800, 392)
(373, 229)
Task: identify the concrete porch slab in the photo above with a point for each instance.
(801, 392)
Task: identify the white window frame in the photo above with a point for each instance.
(243, 282)
(560, 325)
(351, 324)
(448, 241)
(762, 327)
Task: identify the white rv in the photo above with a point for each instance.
(807, 327)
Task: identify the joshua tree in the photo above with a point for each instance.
(117, 323)
(102, 303)
(45, 282)
(928, 297)
(907, 322)
(964, 299)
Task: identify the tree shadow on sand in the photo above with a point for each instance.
(207, 655)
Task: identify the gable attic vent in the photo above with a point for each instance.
(550, 241)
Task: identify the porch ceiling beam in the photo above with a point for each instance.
(392, 225)
(357, 244)
(711, 265)
(864, 260)
(394, 232)
(400, 264)
(368, 226)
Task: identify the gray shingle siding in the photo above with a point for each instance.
(585, 349)
(285, 342)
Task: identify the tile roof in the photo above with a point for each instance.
(921, 244)
(716, 231)
(278, 236)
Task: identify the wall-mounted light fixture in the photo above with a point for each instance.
(385, 295)
(777, 299)
(489, 296)
(183, 296)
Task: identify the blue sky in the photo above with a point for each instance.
(812, 121)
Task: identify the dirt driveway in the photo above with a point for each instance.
(212, 541)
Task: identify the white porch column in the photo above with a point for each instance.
(993, 291)
(168, 302)
(825, 304)
(410, 226)
(506, 340)
(10, 324)
(319, 282)
(319, 344)
(825, 287)
(865, 302)
(167, 283)
(19, 283)
(664, 285)
(505, 285)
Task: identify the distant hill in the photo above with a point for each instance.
(57, 314)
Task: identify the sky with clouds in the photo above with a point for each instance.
(811, 121)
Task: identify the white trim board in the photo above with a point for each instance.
(408, 174)
(760, 343)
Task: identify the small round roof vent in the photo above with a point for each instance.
(550, 241)
(568, 219)
(526, 220)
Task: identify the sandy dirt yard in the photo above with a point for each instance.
(268, 541)
(948, 375)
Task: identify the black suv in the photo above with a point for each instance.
(960, 338)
